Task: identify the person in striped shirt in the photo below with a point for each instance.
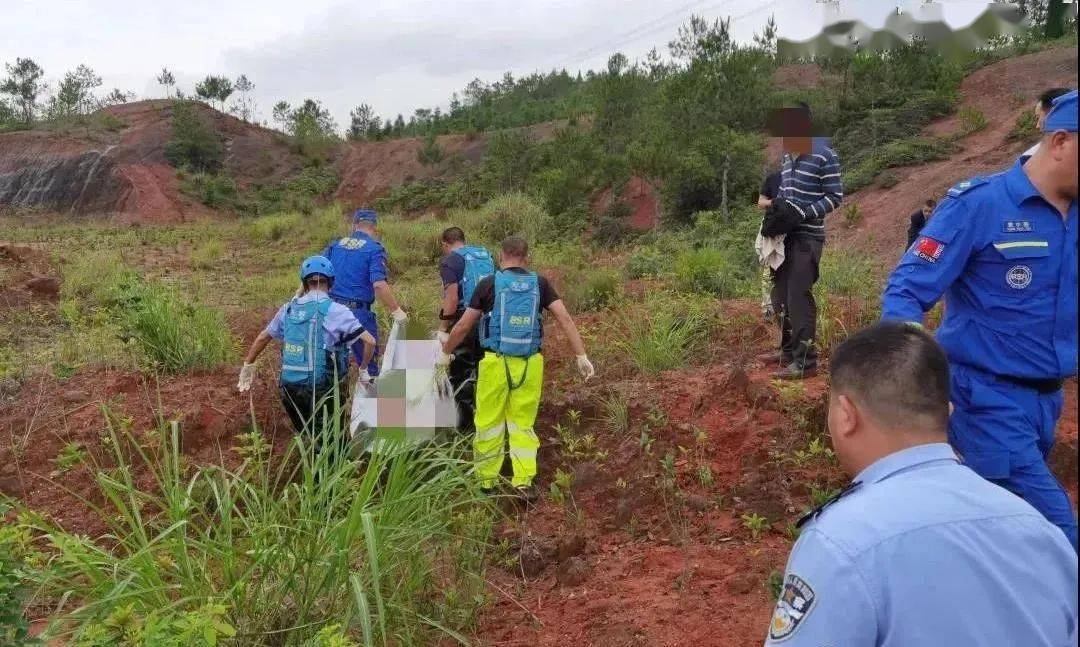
(810, 181)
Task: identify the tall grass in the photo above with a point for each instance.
(104, 302)
(672, 331)
(293, 551)
(176, 336)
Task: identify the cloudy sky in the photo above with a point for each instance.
(396, 55)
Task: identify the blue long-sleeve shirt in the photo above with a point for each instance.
(924, 551)
(812, 183)
(1006, 261)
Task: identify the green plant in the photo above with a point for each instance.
(206, 255)
(705, 476)
(971, 120)
(647, 262)
(560, 486)
(1025, 127)
(755, 523)
(852, 215)
(15, 540)
(279, 552)
(712, 271)
(175, 335)
(598, 289)
(70, 455)
(668, 339)
(819, 496)
(195, 146)
(430, 152)
(616, 413)
(215, 190)
(774, 584)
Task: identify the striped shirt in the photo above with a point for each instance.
(812, 183)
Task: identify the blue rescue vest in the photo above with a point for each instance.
(513, 326)
(478, 265)
(306, 360)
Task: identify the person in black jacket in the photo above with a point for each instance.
(918, 220)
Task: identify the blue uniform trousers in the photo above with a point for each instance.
(366, 317)
(1005, 432)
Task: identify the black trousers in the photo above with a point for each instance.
(793, 299)
(462, 373)
(311, 412)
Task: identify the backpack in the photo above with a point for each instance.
(478, 265)
(512, 327)
(306, 360)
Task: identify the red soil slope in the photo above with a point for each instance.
(1002, 92)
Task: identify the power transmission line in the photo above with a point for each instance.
(648, 28)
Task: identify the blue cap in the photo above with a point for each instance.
(365, 215)
(1062, 115)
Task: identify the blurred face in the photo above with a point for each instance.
(926, 211)
(445, 247)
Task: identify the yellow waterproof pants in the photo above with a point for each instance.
(507, 399)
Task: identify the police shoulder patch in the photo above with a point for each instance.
(795, 603)
(963, 187)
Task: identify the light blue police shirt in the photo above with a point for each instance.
(338, 324)
(924, 552)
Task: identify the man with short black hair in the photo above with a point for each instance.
(508, 307)
(917, 220)
(918, 549)
(461, 268)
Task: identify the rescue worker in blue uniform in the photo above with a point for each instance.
(919, 550)
(360, 262)
(1003, 251)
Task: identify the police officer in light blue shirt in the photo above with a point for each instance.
(360, 262)
(1003, 252)
(919, 550)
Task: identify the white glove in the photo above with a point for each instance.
(585, 367)
(399, 316)
(247, 376)
(364, 376)
(443, 337)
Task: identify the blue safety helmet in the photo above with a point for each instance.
(317, 265)
(365, 215)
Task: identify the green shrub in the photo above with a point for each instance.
(514, 214)
(712, 271)
(430, 152)
(648, 262)
(215, 190)
(195, 145)
(596, 290)
(905, 152)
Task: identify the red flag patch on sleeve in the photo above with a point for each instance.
(928, 249)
